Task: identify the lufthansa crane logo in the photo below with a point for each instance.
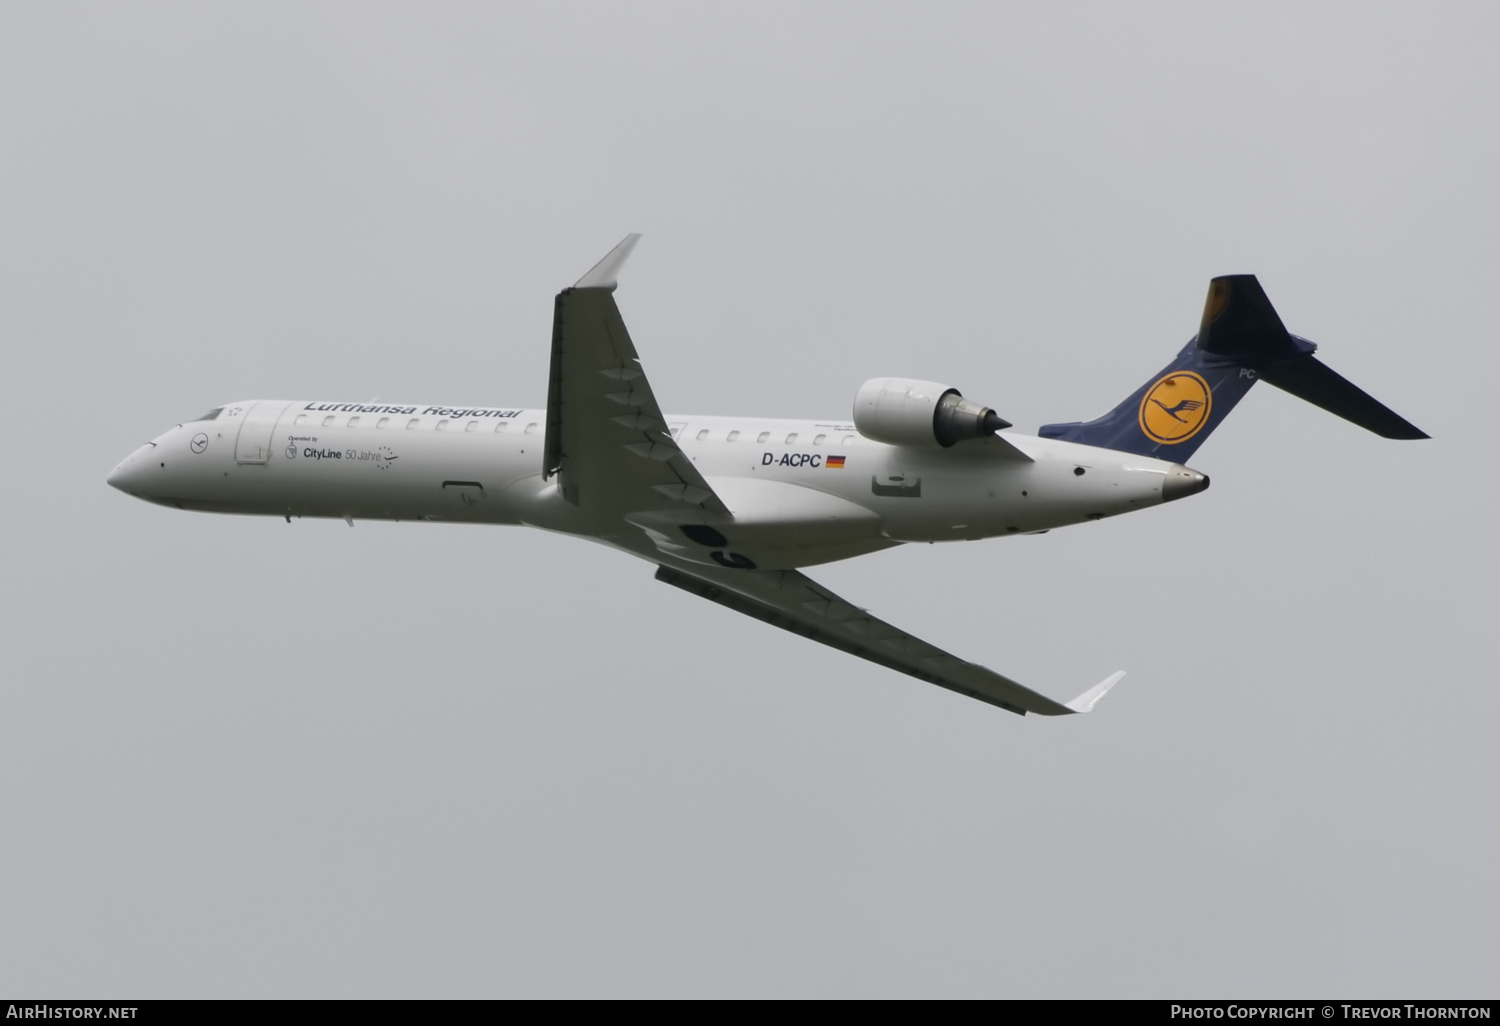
(1176, 408)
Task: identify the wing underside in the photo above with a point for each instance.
(794, 602)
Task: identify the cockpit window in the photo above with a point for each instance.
(210, 415)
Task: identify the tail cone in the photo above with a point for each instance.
(1182, 482)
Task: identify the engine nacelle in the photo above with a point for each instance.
(901, 411)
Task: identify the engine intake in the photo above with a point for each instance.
(903, 411)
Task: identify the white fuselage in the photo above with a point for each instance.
(801, 492)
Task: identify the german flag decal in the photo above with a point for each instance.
(834, 463)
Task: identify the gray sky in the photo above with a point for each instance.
(239, 758)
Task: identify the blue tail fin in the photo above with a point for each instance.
(1240, 341)
(1172, 414)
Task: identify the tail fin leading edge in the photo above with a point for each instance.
(1240, 341)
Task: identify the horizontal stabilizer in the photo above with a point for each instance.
(1306, 378)
(1240, 323)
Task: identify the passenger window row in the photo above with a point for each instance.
(762, 438)
(411, 425)
(503, 426)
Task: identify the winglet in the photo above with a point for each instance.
(605, 274)
(1085, 702)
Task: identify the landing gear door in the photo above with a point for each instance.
(253, 444)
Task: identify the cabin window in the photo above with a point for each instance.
(328, 422)
(354, 422)
(733, 436)
(500, 427)
(472, 425)
(820, 440)
(442, 425)
(791, 439)
(677, 429)
(849, 439)
(763, 437)
(703, 435)
(301, 419)
(411, 425)
(531, 428)
(383, 422)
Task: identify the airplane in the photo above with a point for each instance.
(732, 508)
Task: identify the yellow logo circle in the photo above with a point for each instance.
(1176, 408)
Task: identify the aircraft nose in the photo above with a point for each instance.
(127, 476)
(1182, 482)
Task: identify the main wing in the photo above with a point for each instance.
(793, 602)
(607, 441)
(611, 450)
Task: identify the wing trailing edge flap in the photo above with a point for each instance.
(795, 603)
(607, 441)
